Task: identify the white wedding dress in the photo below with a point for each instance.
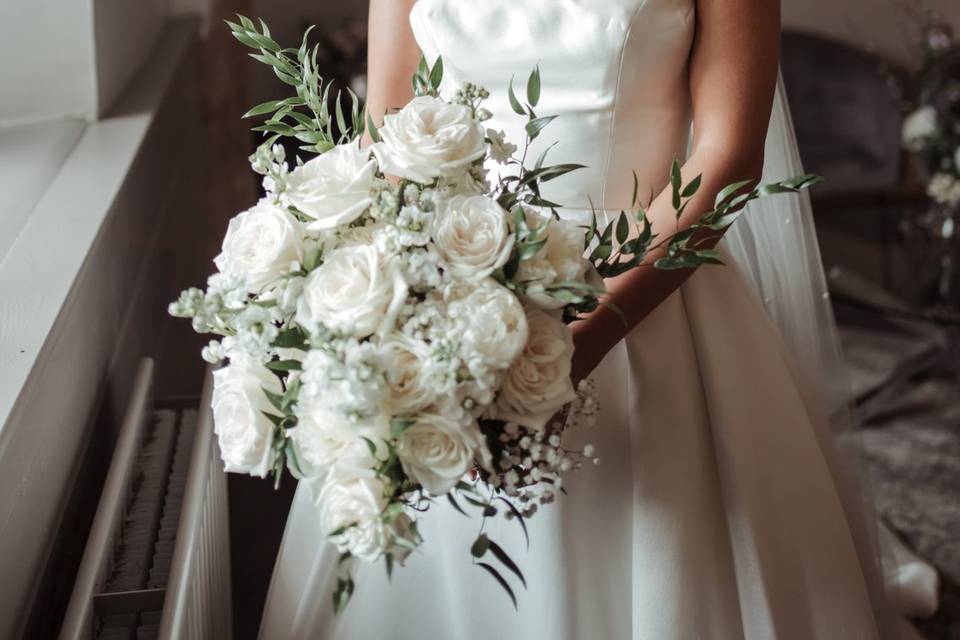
(715, 511)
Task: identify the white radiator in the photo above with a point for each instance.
(157, 561)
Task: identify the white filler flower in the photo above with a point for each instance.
(436, 451)
(333, 188)
(262, 243)
(538, 384)
(357, 291)
(244, 433)
(471, 236)
(429, 138)
(501, 151)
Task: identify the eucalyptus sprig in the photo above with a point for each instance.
(307, 116)
(615, 252)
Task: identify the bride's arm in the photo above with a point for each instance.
(733, 75)
(392, 57)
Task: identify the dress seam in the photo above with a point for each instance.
(616, 102)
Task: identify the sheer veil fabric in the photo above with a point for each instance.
(722, 507)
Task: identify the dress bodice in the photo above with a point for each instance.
(614, 71)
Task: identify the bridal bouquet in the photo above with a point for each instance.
(397, 327)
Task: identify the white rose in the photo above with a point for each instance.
(538, 384)
(357, 290)
(471, 236)
(324, 437)
(404, 364)
(354, 500)
(436, 451)
(333, 188)
(489, 321)
(262, 243)
(918, 126)
(560, 260)
(244, 433)
(429, 138)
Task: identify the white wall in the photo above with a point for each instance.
(874, 25)
(64, 58)
(48, 66)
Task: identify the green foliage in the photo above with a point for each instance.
(317, 126)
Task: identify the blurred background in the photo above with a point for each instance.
(123, 155)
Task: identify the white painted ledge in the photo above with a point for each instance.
(72, 289)
(43, 259)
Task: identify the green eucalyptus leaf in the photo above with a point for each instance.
(727, 192)
(691, 189)
(290, 338)
(285, 365)
(533, 87)
(502, 556)
(514, 103)
(372, 128)
(499, 578)
(623, 228)
(455, 504)
(480, 546)
(519, 516)
(535, 126)
(264, 107)
(436, 73)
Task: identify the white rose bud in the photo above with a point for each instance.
(324, 437)
(262, 243)
(436, 451)
(560, 260)
(429, 138)
(408, 391)
(353, 500)
(489, 321)
(472, 236)
(244, 433)
(357, 291)
(333, 188)
(538, 384)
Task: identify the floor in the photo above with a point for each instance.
(906, 372)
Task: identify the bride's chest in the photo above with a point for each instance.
(569, 33)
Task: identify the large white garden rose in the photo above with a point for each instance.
(488, 320)
(261, 244)
(324, 437)
(353, 500)
(538, 384)
(560, 260)
(436, 451)
(334, 187)
(429, 138)
(244, 433)
(357, 291)
(919, 126)
(408, 389)
(471, 236)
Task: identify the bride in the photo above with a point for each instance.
(720, 508)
